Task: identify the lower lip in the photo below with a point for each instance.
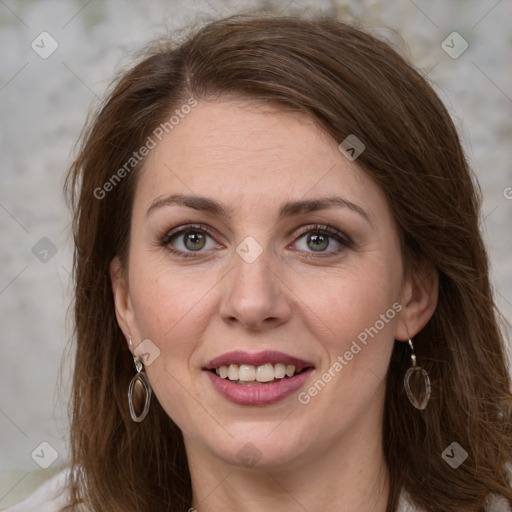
(264, 394)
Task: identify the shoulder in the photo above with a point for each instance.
(51, 496)
(494, 503)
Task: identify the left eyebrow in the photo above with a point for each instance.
(311, 205)
(288, 209)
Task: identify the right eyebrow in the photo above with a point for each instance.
(200, 203)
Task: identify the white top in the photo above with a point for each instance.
(52, 495)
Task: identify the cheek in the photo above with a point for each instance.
(354, 318)
(351, 302)
(354, 315)
(173, 309)
(166, 299)
(165, 308)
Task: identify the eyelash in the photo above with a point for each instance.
(320, 229)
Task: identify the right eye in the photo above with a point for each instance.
(187, 240)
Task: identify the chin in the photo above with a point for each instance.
(255, 448)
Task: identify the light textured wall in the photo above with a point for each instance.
(43, 105)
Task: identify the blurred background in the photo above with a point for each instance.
(57, 59)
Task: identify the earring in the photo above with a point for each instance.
(139, 392)
(417, 383)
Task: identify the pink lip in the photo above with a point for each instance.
(256, 359)
(258, 395)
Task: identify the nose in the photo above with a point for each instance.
(254, 295)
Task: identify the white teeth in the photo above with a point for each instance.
(279, 370)
(265, 373)
(223, 372)
(246, 373)
(233, 372)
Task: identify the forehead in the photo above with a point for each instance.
(237, 149)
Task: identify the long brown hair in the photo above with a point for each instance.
(350, 83)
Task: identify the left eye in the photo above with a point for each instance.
(318, 240)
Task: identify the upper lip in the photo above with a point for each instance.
(239, 357)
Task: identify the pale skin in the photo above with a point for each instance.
(297, 298)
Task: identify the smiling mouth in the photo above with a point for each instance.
(251, 375)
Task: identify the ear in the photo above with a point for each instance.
(125, 313)
(419, 300)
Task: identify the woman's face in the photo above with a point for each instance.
(256, 243)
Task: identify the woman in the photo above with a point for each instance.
(282, 294)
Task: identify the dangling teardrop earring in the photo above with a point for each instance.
(417, 383)
(139, 391)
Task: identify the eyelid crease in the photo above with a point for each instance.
(184, 228)
(325, 229)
